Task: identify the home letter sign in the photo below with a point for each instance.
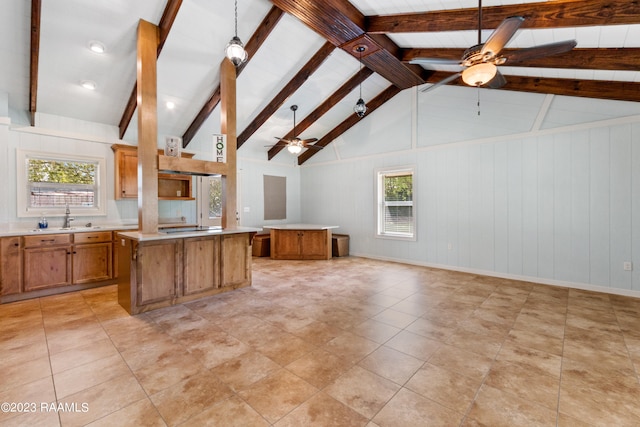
(220, 148)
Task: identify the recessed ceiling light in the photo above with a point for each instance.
(89, 84)
(170, 105)
(96, 47)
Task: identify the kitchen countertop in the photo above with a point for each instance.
(165, 235)
(300, 227)
(74, 229)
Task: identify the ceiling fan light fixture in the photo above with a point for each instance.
(479, 74)
(294, 148)
(97, 47)
(235, 49)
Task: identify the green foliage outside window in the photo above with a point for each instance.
(61, 172)
(398, 188)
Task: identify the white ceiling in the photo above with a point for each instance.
(188, 67)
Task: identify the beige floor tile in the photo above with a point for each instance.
(232, 412)
(395, 318)
(472, 365)
(536, 341)
(408, 409)
(88, 375)
(362, 391)
(322, 410)
(432, 329)
(486, 345)
(319, 367)
(317, 333)
(445, 387)
(101, 400)
(391, 364)
(24, 373)
(414, 345)
(139, 414)
(84, 354)
(285, 349)
(189, 397)
(524, 383)
(278, 394)
(537, 361)
(33, 393)
(244, 370)
(493, 407)
(375, 330)
(350, 347)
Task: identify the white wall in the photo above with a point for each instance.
(550, 197)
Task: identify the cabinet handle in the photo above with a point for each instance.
(47, 240)
(16, 244)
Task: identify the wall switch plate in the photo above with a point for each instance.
(247, 209)
(627, 266)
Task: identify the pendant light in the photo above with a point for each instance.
(360, 108)
(235, 49)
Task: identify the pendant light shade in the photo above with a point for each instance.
(479, 74)
(235, 49)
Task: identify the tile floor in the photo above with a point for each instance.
(346, 342)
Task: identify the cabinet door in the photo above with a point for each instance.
(92, 262)
(314, 245)
(158, 264)
(236, 260)
(127, 175)
(47, 267)
(285, 244)
(201, 264)
(10, 266)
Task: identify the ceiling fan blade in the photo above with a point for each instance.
(442, 82)
(497, 82)
(501, 36)
(315, 147)
(434, 61)
(540, 51)
(308, 141)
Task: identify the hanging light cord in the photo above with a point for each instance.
(360, 52)
(236, 16)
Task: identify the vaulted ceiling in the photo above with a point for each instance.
(301, 52)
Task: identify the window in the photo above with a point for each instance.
(48, 183)
(210, 200)
(395, 203)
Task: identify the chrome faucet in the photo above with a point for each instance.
(67, 218)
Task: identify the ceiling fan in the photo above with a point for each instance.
(480, 61)
(295, 144)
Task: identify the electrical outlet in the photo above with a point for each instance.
(247, 209)
(627, 266)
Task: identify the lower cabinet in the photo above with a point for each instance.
(300, 244)
(10, 265)
(47, 261)
(159, 273)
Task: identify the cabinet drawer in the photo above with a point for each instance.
(92, 237)
(46, 240)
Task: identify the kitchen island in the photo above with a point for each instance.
(300, 241)
(167, 268)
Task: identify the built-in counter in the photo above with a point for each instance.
(162, 269)
(300, 241)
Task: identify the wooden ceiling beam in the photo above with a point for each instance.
(552, 14)
(332, 100)
(36, 12)
(350, 121)
(616, 90)
(259, 36)
(301, 76)
(627, 59)
(342, 24)
(168, 17)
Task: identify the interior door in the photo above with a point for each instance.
(210, 201)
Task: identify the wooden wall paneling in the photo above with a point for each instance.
(147, 127)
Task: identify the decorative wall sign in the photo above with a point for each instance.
(220, 147)
(172, 146)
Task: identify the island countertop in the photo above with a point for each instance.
(300, 227)
(181, 234)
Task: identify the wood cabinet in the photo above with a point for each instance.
(47, 261)
(163, 272)
(92, 257)
(170, 186)
(300, 244)
(201, 264)
(10, 265)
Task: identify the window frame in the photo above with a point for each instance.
(23, 187)
(380, 175)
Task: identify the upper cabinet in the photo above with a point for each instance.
(170, 186)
